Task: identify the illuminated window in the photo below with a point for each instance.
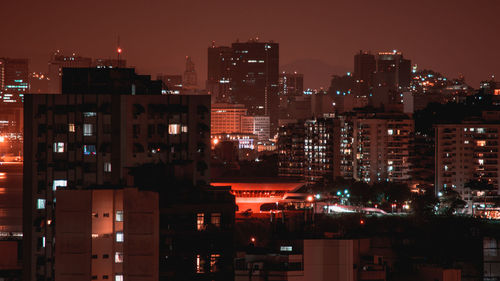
(184, 129)
(59, 183)
(174, 129)
(71, 128)
(40, 204)
(107, 167)
(89, 149)
(118, 257)
(481, 143)
(119, 277)
(215, 219)
(89, 114)
(59, 147)
(119, 216)
(88, 130)
(119, 236)
(286, 248)
(214, 261)
(200, 264)
(390, 132)
(200, 221)
(43, 241)
(481, 161)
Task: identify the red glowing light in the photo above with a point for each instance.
(361, 222)
(119, 50)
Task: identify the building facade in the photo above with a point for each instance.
(105, 122)
(106, 234)
(257, 125)
(226, 118)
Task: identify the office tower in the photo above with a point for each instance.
(322, 149)
(291, 84)
(226, 118)
(291, 156)
(468, 151)
(393, 76)
(380, 146)
(14, 79)
(190, 79)
(346, 145)
(364, 70)
(219, 72)
(257, 125)
(254, 77)
(295, 107)
(106, 122)
(105, 234)
(57, 62)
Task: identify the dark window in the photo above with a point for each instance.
(105, 256)
(136, 130)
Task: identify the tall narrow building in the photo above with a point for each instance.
(219, 72)
(190, 79)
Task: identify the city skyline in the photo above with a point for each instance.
(449, 37)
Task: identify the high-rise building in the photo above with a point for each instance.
(291, 84)
(59, 61)
(322, 149)
(468, 151)
(14, 79)
(291, 156)
(393, 77)
(105, 234)
(255, 77)
(190, 79)
(310, 149)
(106, 122)
(226, 118)
(364, 70)
(219, 72)
(380, 146)
(172, 82)
(257, 125)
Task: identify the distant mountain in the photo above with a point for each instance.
(317, 73)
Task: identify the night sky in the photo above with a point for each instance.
(448, 36)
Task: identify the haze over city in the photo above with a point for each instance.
(316, 37)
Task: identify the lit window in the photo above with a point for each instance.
(481, 143)
(286, 248)
(71, 128)
(390, 131)
(215, 219)
(118, 257)
(174, 129)
(40, 204)
(481, 161)
(89, 114)
(119, 216)
(107, 167)
(214, 260)
(445, 168)
(59, 147)
(119, 236)
(59, 183)
(200, 221)
(89, 149)
(184, 129)
(43, 241)
(88, 130)
(200, 264)
(118, 277)
(466, 142)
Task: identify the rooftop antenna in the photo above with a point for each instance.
(118, 50)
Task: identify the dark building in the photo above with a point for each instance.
(393, 77)
(364, 69)
(14, 79)
(254, 78)
(190, 79)
(173, 83)
(219, 72)
(291, 157)
(106, 122)
(291, 84)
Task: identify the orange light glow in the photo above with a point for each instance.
(119, 50)
(2, 138)
(215, 141)
(252, 239)
(310, 198)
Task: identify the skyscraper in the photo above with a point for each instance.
(219, 72)
(393, 77)
(190, 79)
(364, 70)
(14, 79)
(255, 75)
